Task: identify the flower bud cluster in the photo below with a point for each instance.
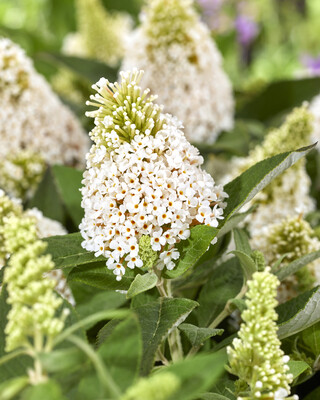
(30, 294)
(101, 33)
(29, 123)
(143, 178)
(45, 227)
(255, 356)
(292, 238)
(172, 36)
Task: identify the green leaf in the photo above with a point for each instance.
(311, 338)
(248, 265)
(121, 352)
(58, 195)
(197, 374)
(67, 251)
(239, 304)
(107, 300)
(280, 96)
(224, 283)
(141, 284)
(297, 367)
(157, 319)
(64, 360)
(196, 335)
(12, 387)
(99, 276)
(299, 313)
(192, 249)
(315, 395)
(241, 240)
(49, 390)
(89, 69)
(295, 265)
(243, 188)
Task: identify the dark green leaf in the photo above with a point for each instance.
(192, 249)
(157, 319)
(279, 97)
(241, 240)
(99, 276)
(142, 283)
(299, 313)
(106, 300)
(311, 338)
(89, 69)
(67, 251)
(223, 284)
(196, 335)
(121, 352)
(58, 194)
(234, 221)
(248, 265)
(242, 189)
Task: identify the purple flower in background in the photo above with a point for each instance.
(312, 64)
(247, 30)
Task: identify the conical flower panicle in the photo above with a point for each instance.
(293, 238)
(101, 33)
(31, 319)
(44, 227)
(164, 31)
(190, 81)
(255, 356)
(123, 112)
(143, 180)
(29, 124)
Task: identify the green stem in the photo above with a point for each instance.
(92, 319)
(104, 375)
(175, 345)
(12, 355)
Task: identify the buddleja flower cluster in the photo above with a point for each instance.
(291, 238)
(31, 132)
(290, 191)
(173, 37)
(45, 227)
(255, 356)
(31, 318)
(143, 179)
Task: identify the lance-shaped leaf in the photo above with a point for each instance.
(157, 319)
(295, 265)
(299, 313)
(196, 335)
(243, 188)
(142, 283)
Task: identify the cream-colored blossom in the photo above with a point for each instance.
(33, 121)
(143, 178)
(184, 67)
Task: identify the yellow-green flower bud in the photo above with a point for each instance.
(255, 356)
